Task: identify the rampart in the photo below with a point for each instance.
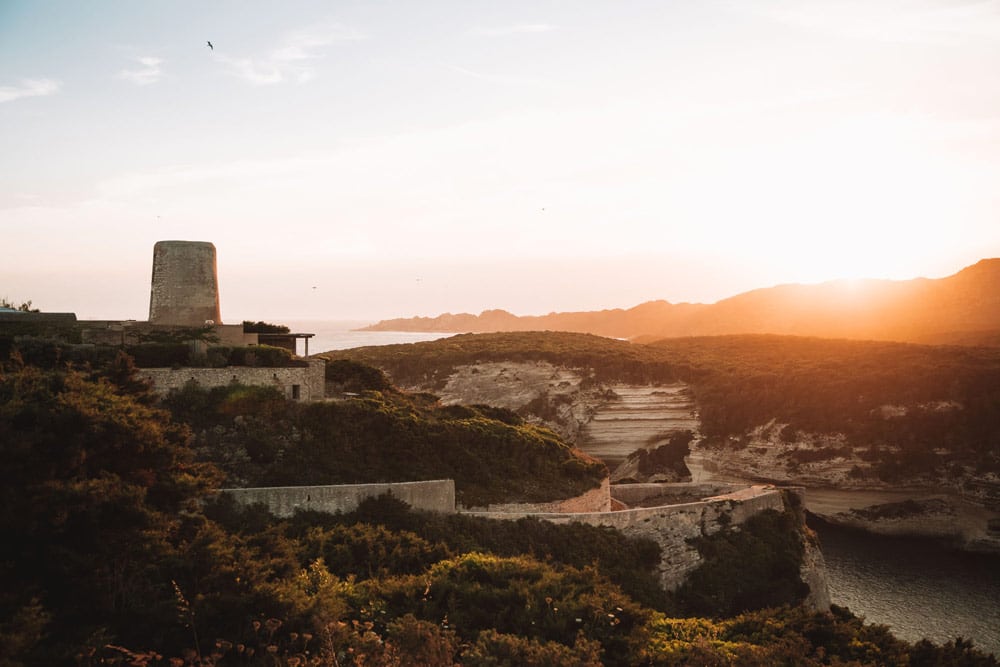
(647, 494)
(433, 496)
(305, 383)
(595, 500)
(671, 526)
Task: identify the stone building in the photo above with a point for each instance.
(183, 300)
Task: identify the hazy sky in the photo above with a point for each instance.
(374, 159)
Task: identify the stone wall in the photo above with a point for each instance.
(636, 494)
(595, 500)
(282, 501)
(671, 526)
(310, 380)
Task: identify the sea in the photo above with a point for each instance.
(920, 588)
(343, 335)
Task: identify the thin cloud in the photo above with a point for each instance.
(148, 73)
(522, 29)
(930, 21)
(494, 78)
(29, 88)
(294, 59)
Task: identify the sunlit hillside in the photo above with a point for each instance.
(961, 309)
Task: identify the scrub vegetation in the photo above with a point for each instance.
(116, 551)
(916, 409)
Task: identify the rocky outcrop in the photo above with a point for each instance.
(841, 486)
(555, 396)
(770, 453)
(608, 422)
(613, 421)
(660, 463)
(922, 512)
(636, 417)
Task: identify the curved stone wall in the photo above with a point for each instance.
(595, 500)
(671, 526)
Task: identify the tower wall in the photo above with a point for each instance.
(185, 285)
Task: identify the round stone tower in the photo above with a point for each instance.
(185, 288)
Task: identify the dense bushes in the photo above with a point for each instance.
(110, 558)
(629, 563)
(951, 394)
(754, 567)
(668, 457)
(180, 354)
(430, 363)
(160, 355)
(259, 440)
(264, 327)
(344, 375)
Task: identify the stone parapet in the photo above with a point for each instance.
(672, 526)
(635, 494)
(595, 500)
(433, 496)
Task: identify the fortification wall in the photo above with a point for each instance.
(310, 380)
(671, 526)
(433, 496)
(595, 500)
(635, 494)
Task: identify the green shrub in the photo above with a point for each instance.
(160, 355)
(751, 568)
(353, 376)
(264, 327)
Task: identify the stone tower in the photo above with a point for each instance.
(185, 287)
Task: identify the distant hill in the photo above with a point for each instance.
(961, 309)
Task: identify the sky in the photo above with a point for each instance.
(368, 159)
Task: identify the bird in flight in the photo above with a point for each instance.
(210, 45)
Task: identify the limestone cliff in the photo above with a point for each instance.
(613, 421)
(606, 421)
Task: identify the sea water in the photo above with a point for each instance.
(343, 335)
(918, 587)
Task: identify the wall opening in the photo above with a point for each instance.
(296, 392)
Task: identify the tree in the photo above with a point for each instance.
(92, 489)
(264, 327)
(24, 307)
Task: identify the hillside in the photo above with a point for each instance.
(912, 410)
(961, 309)
(117, 553)
(258, 438)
